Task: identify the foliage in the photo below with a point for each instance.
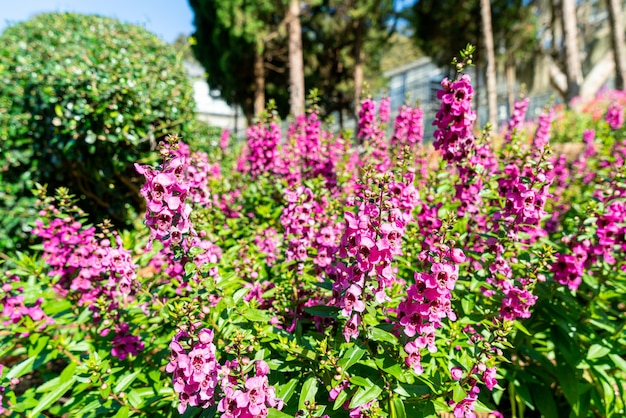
(443, 27)
(232, 29)
(227, 36)
(333, 32)
(302, 276)
(402, 50)
(81, 99)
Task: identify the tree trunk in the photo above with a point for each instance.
(573, 68)
(259, 83)
(617, 39)
(510, 82)
(477, 85)
(490, 75)
(340, 119)
(296, 62)
(598, 76)
(358, 65)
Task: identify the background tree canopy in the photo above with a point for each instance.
(334, 33)
(81, 99)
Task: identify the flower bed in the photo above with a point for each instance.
(303, 276)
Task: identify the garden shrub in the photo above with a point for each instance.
(81, 99)
(308, 278)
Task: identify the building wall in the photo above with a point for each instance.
(420, 80)
(210, 108)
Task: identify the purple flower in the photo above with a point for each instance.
(615, 115)
(351, 329)
(413, 360)
(454, 120)
(542, 134)
(517, 117)
(489, 377)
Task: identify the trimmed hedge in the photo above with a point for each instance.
(82, 98)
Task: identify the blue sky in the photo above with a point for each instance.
(165, 18)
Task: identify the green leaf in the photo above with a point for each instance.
(255, 315)
(522, 328)
(286, 391)
(136, 396)
(38, 345)
(351, 357)
(341, 398)
(239, 294)
(190, 268)
(58, 110)
(459, 393)
(46, 387)
(544, 401)
(397, 408)
(22, 368)
(92, 406)
(597, 351)
(196, 250)
(481, 407)
(429, 410)
(123, 412)
(568, 381)
(378, 334)
(618, 360)
(275, 413)
(360, 381)
(468, 304)
(79, 346)
(125, 381)
(388, 365)
(68, 372)
(323, 311)
(309, 390)
(365, 394)
(411, 391)
(52, 396)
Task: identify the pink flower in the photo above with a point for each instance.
(457, 256)
(615, 115)
(489, 377)
(352, 300)
(334, 392)
(232, 404)
(413, 360)
(351, 329)
(454, 120)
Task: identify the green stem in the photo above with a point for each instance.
(512, 400)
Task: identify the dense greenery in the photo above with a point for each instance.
(335, 33)
(304, 277)
(81, 99)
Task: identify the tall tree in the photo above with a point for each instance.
(296, 62)
(616, 20)
(230, 32)
(573, 67)
(240, 45)
(566, 33)
(259, 80)
(441, 28)
(492, 98)
(349, 38)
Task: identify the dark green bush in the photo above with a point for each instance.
(81, 99)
